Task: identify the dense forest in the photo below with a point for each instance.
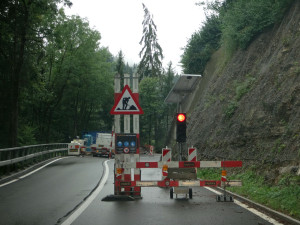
(57, 78)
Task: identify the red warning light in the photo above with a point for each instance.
(181, 117)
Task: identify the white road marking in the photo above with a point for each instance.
(89, 200)
(28, 174)
(256, 212)
(12, 181)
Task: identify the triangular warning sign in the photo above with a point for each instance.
(126, 103)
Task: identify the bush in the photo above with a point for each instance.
(242, 20)
(201, 45)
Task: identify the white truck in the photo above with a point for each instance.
(105, 145)
(76, 147)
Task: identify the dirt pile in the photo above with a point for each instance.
(248, 107)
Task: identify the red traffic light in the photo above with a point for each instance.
(181, 117)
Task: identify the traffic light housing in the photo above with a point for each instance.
(181, 127)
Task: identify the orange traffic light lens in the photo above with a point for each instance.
(181, 117)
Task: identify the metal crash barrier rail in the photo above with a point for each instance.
(11, 156)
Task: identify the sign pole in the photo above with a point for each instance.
(117, 117)
(127, 117)
(136, 130)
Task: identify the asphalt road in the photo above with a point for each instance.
(47, 196)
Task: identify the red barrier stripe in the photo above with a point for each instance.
(169, 183)
(188, 164)
(194, 159)
(165, 151)
(191, 150)
(231, 163)
(165, 174)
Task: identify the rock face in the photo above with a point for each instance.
(248, 106)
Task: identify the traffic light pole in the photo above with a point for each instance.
(180, 152)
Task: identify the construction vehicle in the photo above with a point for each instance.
(105, 145)
(88, 141)
(76, 147)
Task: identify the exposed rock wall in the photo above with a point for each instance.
(248, 107)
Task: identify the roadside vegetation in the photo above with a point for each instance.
(232, 24)
(283, 196)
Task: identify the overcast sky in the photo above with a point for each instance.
(120, 24)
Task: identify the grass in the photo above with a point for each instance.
(283, 196)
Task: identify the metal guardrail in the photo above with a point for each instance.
(10, 156)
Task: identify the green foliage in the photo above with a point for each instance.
(241, 88)
(157, 115)
(26, 135)
(283, 197)
(209, 173)
(243, 20)
(230, 110)
(151, 53)
(120, 66)
(244, 87)
(201, 45)
(23, 27)
(63, 78)
(233, 24)
(278, 146)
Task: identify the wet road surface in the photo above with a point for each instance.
(49, 194)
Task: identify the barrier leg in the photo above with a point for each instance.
(225, 197)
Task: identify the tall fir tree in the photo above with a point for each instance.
(151, 54)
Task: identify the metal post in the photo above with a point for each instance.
(126, 117)
(117, 117)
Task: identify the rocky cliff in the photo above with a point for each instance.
(247, 104)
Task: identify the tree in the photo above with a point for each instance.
(154, 122)
(151, 54)
(120, 64)
(22, 30)
(78, 80)
(201, 45)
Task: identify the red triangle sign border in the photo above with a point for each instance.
(114, 111)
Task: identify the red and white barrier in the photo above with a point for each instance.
(166, 157)
(151, 149)
(192, 154)
(183, 164)
(179, 183)
(223, 177)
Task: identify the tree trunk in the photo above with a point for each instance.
(17, 63)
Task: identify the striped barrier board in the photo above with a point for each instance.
(180, 183)
(166, 157)
(192, 154)
(183, 164)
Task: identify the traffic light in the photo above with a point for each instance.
(181, 127)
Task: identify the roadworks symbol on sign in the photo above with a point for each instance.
(126, 103)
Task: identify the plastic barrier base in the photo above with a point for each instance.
(224, 198)
(110, 198)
